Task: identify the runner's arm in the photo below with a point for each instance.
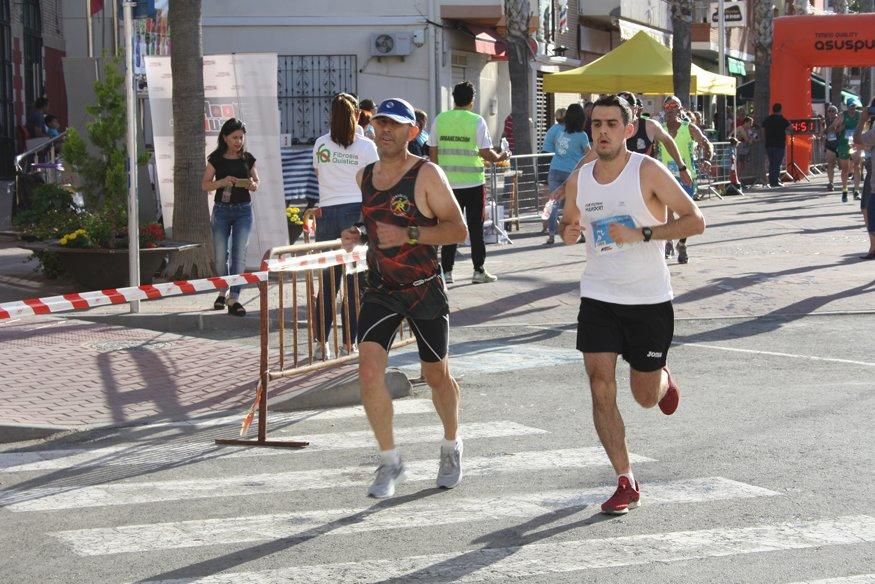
(664, 138)
(657, 181)
(569, 226)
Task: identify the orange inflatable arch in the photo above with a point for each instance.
(802, 42)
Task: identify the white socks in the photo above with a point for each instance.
(631, 478)
(392, 457)
(450, 444)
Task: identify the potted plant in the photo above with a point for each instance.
(90, 241)
(295, 223)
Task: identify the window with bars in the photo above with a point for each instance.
(306, 84)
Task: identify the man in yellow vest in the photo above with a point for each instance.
(459, 142)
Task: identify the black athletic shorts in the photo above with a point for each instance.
(379, 324)
(832, 146)
(641, 333)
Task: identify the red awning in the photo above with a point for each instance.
(488, 42)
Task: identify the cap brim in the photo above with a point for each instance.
(397, 118)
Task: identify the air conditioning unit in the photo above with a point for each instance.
(391, 44)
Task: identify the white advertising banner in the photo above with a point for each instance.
(241, 86)
(734, 14)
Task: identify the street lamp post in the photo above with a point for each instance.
(133, 204)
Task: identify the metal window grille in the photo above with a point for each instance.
(306, 84)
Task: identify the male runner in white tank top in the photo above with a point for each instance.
(621, 200)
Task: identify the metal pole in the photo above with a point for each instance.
(89, 29)
(115, 28)
(133, 204)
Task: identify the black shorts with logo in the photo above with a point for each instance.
(641, 333)
(379, 324)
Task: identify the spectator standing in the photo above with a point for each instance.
(849, 156)
(776, 128)
(367, 108)
(337, 157)
(419, 145)
(570, 144)
(231, 173)
(866, 140)
(459, 142)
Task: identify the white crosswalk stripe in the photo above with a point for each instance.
(861, 579)
(204, 450)
(568, 556)
(58, 498)
(184, 534)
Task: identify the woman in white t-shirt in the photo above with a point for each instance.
(337, 157)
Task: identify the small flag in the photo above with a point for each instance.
(563, 17)
(96, 6)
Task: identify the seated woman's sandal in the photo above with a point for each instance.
(219, 304)
(236, 309)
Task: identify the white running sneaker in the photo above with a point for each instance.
(450, 470)
(448, 277)
(481, 276)
(321, 352)
(388, 477)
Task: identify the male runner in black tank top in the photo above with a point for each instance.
(408, 210)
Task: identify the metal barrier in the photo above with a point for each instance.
(714, 177)
(518, 188)
(305, 275)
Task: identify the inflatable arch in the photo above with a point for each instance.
(802, 42)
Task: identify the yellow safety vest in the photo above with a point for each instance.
(458, 153)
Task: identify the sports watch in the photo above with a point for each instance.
(413, 235)
(647, 233)
(681, 169)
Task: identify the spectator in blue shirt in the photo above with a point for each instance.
(569, 144)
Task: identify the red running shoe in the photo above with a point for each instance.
(623, 499)
(669, 402)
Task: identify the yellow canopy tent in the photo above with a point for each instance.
(640, 65)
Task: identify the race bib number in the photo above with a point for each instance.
(602, 241)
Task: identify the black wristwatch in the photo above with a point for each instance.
(647, 233)
(680, 169)
(413, 235)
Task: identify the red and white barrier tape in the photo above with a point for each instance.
(85, 300)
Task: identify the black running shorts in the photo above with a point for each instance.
(641, 333)
(379, 324)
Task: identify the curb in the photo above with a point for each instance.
(341, 392)
(10, 432)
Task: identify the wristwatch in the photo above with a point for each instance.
(647, 233)
(680, 169)
(413, 235)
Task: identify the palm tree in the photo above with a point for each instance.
(191, 218)
(837, 74)
(681, 52)
(518, 14)
(763, 14)
(866, 73)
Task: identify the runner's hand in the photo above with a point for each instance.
(389, 236)
(349, 238)
(622, 234)
(570, 232)
(686, 178)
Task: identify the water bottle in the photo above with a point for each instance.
(548, 209)
(226, 194)
(505, 145)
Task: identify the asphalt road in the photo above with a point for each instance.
(762, 476)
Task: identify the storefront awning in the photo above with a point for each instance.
(487, 41)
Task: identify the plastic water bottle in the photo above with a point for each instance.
(505, 145)
(548, 209)
(226, 194)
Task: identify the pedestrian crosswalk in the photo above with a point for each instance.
(108, 520)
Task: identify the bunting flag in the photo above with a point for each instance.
(563, 17)
(96, 6)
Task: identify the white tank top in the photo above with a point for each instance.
(632, 273)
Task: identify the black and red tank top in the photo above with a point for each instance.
(405, 278)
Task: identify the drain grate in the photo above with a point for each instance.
(110, 346)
